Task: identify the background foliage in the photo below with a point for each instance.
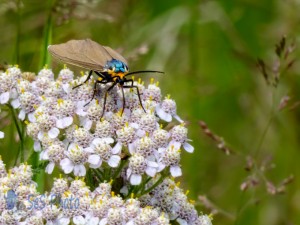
(209, 52)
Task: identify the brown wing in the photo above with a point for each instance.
(84, 53)
(115, 54)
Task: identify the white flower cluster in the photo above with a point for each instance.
(20, 203)
(171, 200)
(75, 203)
(73, 130)
(68, 129)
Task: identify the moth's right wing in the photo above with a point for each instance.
(82, 53)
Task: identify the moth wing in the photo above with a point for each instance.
(82, 53)
(115, 54)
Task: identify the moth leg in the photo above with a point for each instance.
(137, 90)
(95, 90)
(123, 96)
(89, 76)
(100, 74)
(105, 96)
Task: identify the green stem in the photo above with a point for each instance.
(18, 34)
(116, 174)
(160, 180)
(99, 174)
(267, 125)
(16, 123)
(141, 187)
(130, 190)
(21, 136)
(47, 37)
(89, 179)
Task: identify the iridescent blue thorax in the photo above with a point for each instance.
(115, 67)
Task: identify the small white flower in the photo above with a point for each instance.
(4, 97)
(64, 122)
(102, 151)
(76, 157)
(179, 136)
(1, 134)
(170, 156)
(138, 165)
(167, 109)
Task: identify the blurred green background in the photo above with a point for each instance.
(208, 50)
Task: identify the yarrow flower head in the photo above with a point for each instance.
(131, 145)
(72, 202)
(71, 132)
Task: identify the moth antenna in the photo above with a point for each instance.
(144, 71)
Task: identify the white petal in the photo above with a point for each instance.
(50, 167)
(53, 132)
(161, 167)
(64, 122)
(87, 124)
(161, 150)
(15, 103)
(95, 166)
(13, 93)
(93, 221)
(128, 173)
(80, 108)
(124, 190)
(72, 146)
(108, 140)
(175, 171)
(151, 171)
(108, 115)
(4, 97)
(1, 134)
(114, 161)
(163, 115)
(97, 141)
(80, 112)
(89, 150)
(103, 221)
(22, 114)
(59, 124)
(135, 179)
(50, 223)
(94, 159)
(63, 221)
(44, 155)
(175, 144)
(131, 148)
(78, 220)
(117, 148)
(140, 133)
(152, 164)
(67, 121)
(181, 221)
(189, 148)
(134, 125)
(40, 135)
(126, 111)
(66, 87)
(178, 118)
(67, 165)
(31, 117)
(37, 146)
(79, 170)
